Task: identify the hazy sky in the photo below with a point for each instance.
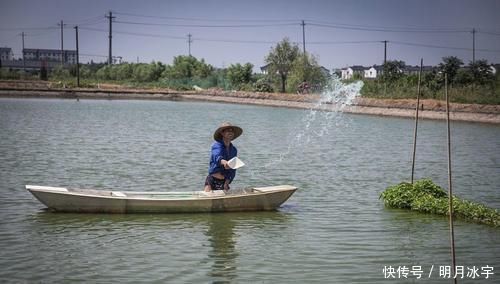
(338, 33)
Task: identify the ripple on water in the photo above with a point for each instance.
(334, 228)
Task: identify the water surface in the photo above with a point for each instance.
(334, 229)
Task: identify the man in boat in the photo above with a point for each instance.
(220, 175)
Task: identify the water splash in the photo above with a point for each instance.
(324, 113)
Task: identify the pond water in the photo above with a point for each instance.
(333, 229)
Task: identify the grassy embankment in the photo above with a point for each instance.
(404, 88)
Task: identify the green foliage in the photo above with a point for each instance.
(468, 87)
(450, 66)
(393, 70)
(281, 59)
(187, 67)
(240, 75)
(8, 74)
(427, 197)
(147, 72)
(60, 73)
(104, 73)
(263, 85)
(481, 73)
(306, 68)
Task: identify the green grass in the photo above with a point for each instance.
(407, 89)
(426, 197)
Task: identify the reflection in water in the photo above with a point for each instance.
(222, 239)
(223, 231)
(159, 233)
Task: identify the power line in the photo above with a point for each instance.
(318, 23)
(343, 42)
(135, 34)
(205, 19)
(237, 41)
(388, 29)
(207, 26)
(395, 30)
(488, 32)
(87, 20)
(441, 47)
(182, 37)
(39, 34)
(27, 29)
(274, 42)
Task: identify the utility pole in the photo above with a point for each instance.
(303, 24)
(385, 51)
(77, 60)
(473, 45)
(303, 36)
(62, 42)
(110, 17)
(189, 43)
(24, 63)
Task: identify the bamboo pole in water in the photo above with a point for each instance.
(416, 120)
(450, 191)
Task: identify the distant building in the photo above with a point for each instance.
(376, 71)
(373, 72)
(494, 68)
(49, 55)
(6, 53)
(264, 68)
(348, 73)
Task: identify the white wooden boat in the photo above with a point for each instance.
(61, 199)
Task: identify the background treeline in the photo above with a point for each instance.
(286, 68)
(474, 83)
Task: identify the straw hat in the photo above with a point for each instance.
(236, 129)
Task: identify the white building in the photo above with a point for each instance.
(374, 71)
(348, 73)
(6, 53)
(31, 54)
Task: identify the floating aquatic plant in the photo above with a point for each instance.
(427, 197)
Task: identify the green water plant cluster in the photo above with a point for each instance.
(427, 197)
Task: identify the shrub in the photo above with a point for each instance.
(263, 85)
(427, 197)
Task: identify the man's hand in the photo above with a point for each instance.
(225, 164)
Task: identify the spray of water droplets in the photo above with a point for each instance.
(324, 113)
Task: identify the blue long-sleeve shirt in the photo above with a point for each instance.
(219, 152)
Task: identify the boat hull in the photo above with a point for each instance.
(97, 201)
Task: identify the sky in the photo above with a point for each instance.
(339, 33)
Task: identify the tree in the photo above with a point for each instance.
(147, 72)
(481, 72)
(123, 71)
(393, 70)
(464, 77)
(104, 73)
(239, 75)
(280, 60)
(187, 67)
(306, 68)
(450, 66)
